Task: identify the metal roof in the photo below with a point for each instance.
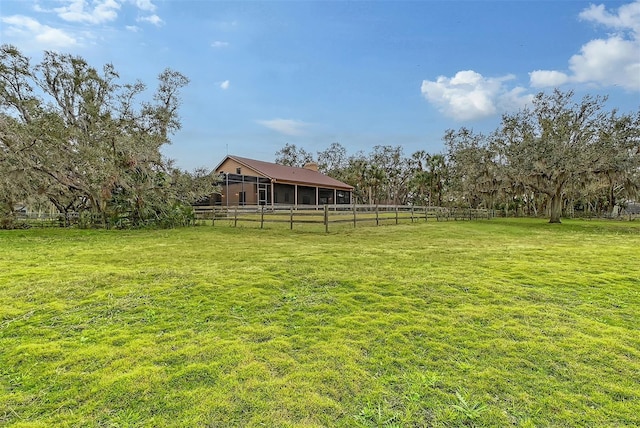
(288, 174)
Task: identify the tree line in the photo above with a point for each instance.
(556, 155)
(79, 139)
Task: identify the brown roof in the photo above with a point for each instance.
(289, 174)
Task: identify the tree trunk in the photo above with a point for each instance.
(556, 208)
(612, 199)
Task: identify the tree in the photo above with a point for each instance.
(290, 155)
(617, 166)
(333, 161)
(476, 171)
(419, 189)
(428, 176)
(17, 90)
(83, 140)
(438, 177)
(388, 170)
(552, 145)
(355, 175)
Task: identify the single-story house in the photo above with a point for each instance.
(252, 182)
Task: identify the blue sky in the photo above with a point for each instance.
(361, 73)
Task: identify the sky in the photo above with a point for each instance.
(361, 73)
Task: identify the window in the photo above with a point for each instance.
(238, 170)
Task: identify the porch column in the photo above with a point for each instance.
(244, 200)
(335, 197)
(295, 195)
(273, 185)
(317, 196)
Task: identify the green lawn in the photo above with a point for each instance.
(487, 323)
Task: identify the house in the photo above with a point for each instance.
(252, 182)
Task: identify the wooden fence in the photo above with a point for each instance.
(335, 214)
(351, 215)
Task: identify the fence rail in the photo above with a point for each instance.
(335, 214)
(325, 215)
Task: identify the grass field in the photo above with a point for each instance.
(487, 323)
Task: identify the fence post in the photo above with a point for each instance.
(213, 216)
(261, 216)
(411, 213)
(291, 218)
(396, 214)
(426, 213)
(326, 218)
(354, 216)
(235, 217)
(377, 215)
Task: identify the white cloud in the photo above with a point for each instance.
(611, 61)
(468, 95)
(92, 15)
(153, 19)
(225, 85)
(219, 44)
(45, 37)
(101, 11)
(76, 11)
(285, 126)
(513, 100)
(546, 78)
(145, 5)
(627, 18)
